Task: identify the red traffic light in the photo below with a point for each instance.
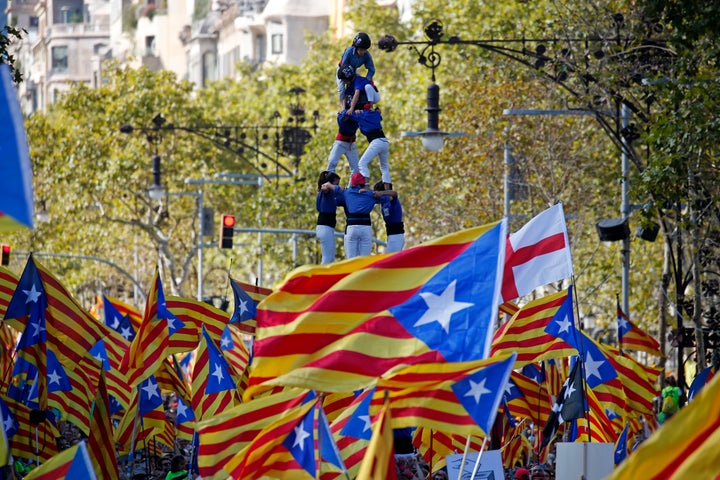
(228, 220)
(226, 231)
(5, 255)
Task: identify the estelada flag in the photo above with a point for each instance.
(337, 327)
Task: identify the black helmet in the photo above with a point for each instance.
(361, 40)
(346, 73)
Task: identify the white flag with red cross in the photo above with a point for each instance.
(537, 254)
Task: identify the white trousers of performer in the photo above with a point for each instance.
(358, 240)
(379, 148)
(372, 94)
(326, 237)
(340, 148)
(395, 243)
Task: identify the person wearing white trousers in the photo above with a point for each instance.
(344, 144)
(370, 123)
(326, 203)
(359, 202)
(393, 216)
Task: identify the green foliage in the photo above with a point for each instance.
(94, 177)
(8, 35)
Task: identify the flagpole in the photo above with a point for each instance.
(432, 454)
(581, 359)
(465, 452)
(477, 460)
(193, 453)
(131, 459)
(619, 337)
(316, 422)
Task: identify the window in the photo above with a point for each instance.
(276, 41)
(259, 48)
(60, 59)
(209, 68)
(150, 45)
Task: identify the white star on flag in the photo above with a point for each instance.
(564, 325)
(151, 390)
(366, 419)
(592, 367)
(37, 328)
(570, 390)
(509, 388)
(441, 307)
(477, 390)
(181, 409)
(218, 373)
(32, 294)
(126, 333)
(54, 377)
(243, 306)
(300, 436)
(623, 324)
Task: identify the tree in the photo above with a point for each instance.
(8, 35)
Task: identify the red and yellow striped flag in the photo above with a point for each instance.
(22, 443)
(525, 332)
(337, 327)
(423, 395)
(597, 427)
(225, 434)
(379, 461)
(435, 446)
(72, 463)
(266, 456)
(531, 400)
(685, 447)
(639, 383)
(100, 442)
(632, 337)
(8, 284)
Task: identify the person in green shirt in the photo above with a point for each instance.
(178, 468)
(671, 399)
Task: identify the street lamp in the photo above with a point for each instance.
(156, 191)
(42, 215)
(432, 137)
(245, 142)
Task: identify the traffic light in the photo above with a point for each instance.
(5, 255)
(226, 231)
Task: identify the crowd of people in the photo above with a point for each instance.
(358, 111)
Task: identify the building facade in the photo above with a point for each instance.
(200, 40)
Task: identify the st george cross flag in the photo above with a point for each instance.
(338, 327)
(537, 254)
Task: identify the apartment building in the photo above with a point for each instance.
(199, 40)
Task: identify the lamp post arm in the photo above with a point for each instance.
(93, 258)
(222, 144)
